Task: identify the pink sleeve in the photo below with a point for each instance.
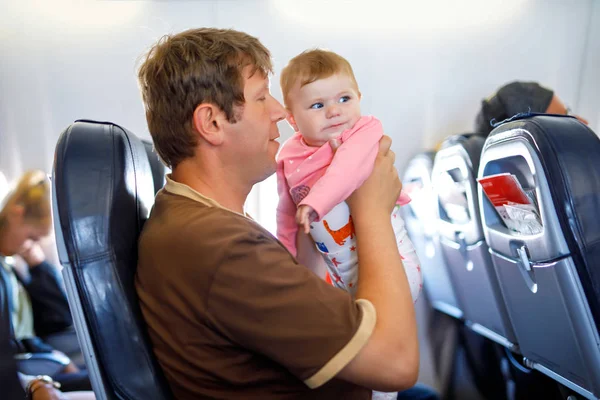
(351, 166)
(286, 213)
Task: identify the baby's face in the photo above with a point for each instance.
(323, 109)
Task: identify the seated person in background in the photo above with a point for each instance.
(322, 98)
(230, 312)
(518, 97)
(39, 305)
(14, 385)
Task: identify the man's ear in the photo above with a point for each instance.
(207, 122)
(291, 120)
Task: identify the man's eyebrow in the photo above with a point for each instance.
(262, 89)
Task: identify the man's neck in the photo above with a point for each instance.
(214, 183)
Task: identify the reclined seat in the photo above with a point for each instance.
(463, 244)
(420, 217)
(550, 278)
(103, 190)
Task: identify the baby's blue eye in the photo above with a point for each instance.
(344, 99)
(316, 106)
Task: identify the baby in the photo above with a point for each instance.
(322, 97)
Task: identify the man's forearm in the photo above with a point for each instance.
(383, 282)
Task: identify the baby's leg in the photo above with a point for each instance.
(335, 239)
(412, 265)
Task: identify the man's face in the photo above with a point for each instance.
(19, 233)
(557, 107)
(251, 141)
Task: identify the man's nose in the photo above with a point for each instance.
(278, 111)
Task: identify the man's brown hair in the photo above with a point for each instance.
(312, 65)
(190, 68)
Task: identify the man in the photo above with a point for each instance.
(230, 312)
(518, 97)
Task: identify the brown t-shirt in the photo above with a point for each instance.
(232, 315)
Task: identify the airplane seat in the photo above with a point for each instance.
(549, 272)
(103, 190)
(28, 363)
(159, 170)
(420, 217)
(463, 244)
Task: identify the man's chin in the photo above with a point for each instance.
(272, 170)
(267, 172)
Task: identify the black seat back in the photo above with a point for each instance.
(159, 170)
(103, 190)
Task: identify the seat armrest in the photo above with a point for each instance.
(41, 363)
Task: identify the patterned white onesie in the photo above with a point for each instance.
(335, 239)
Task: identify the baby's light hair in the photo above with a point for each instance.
(312, 65)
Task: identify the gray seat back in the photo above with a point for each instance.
(551, 278)
(463, 244)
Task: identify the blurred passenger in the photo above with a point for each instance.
(38, 304)
(518, 97)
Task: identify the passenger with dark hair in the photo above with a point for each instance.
(518, 97)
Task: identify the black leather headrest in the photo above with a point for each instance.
(104, 191)
(158, 168)
(569, 153)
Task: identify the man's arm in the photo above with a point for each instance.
(389, 361)
(51, 311)
(351, 166)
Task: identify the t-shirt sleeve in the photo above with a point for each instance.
(262, 299)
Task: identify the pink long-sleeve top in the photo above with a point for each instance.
(308, 175)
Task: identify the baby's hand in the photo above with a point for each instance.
(304, 216)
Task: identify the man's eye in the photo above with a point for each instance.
(344, 99)
(316, 106)
(262, 98)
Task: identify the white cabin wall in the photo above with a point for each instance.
(423, 67)
(589, 89)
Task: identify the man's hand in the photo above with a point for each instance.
(378, 194)
(304, 216)
(45, 391)
(70, 368)
(33, 254)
